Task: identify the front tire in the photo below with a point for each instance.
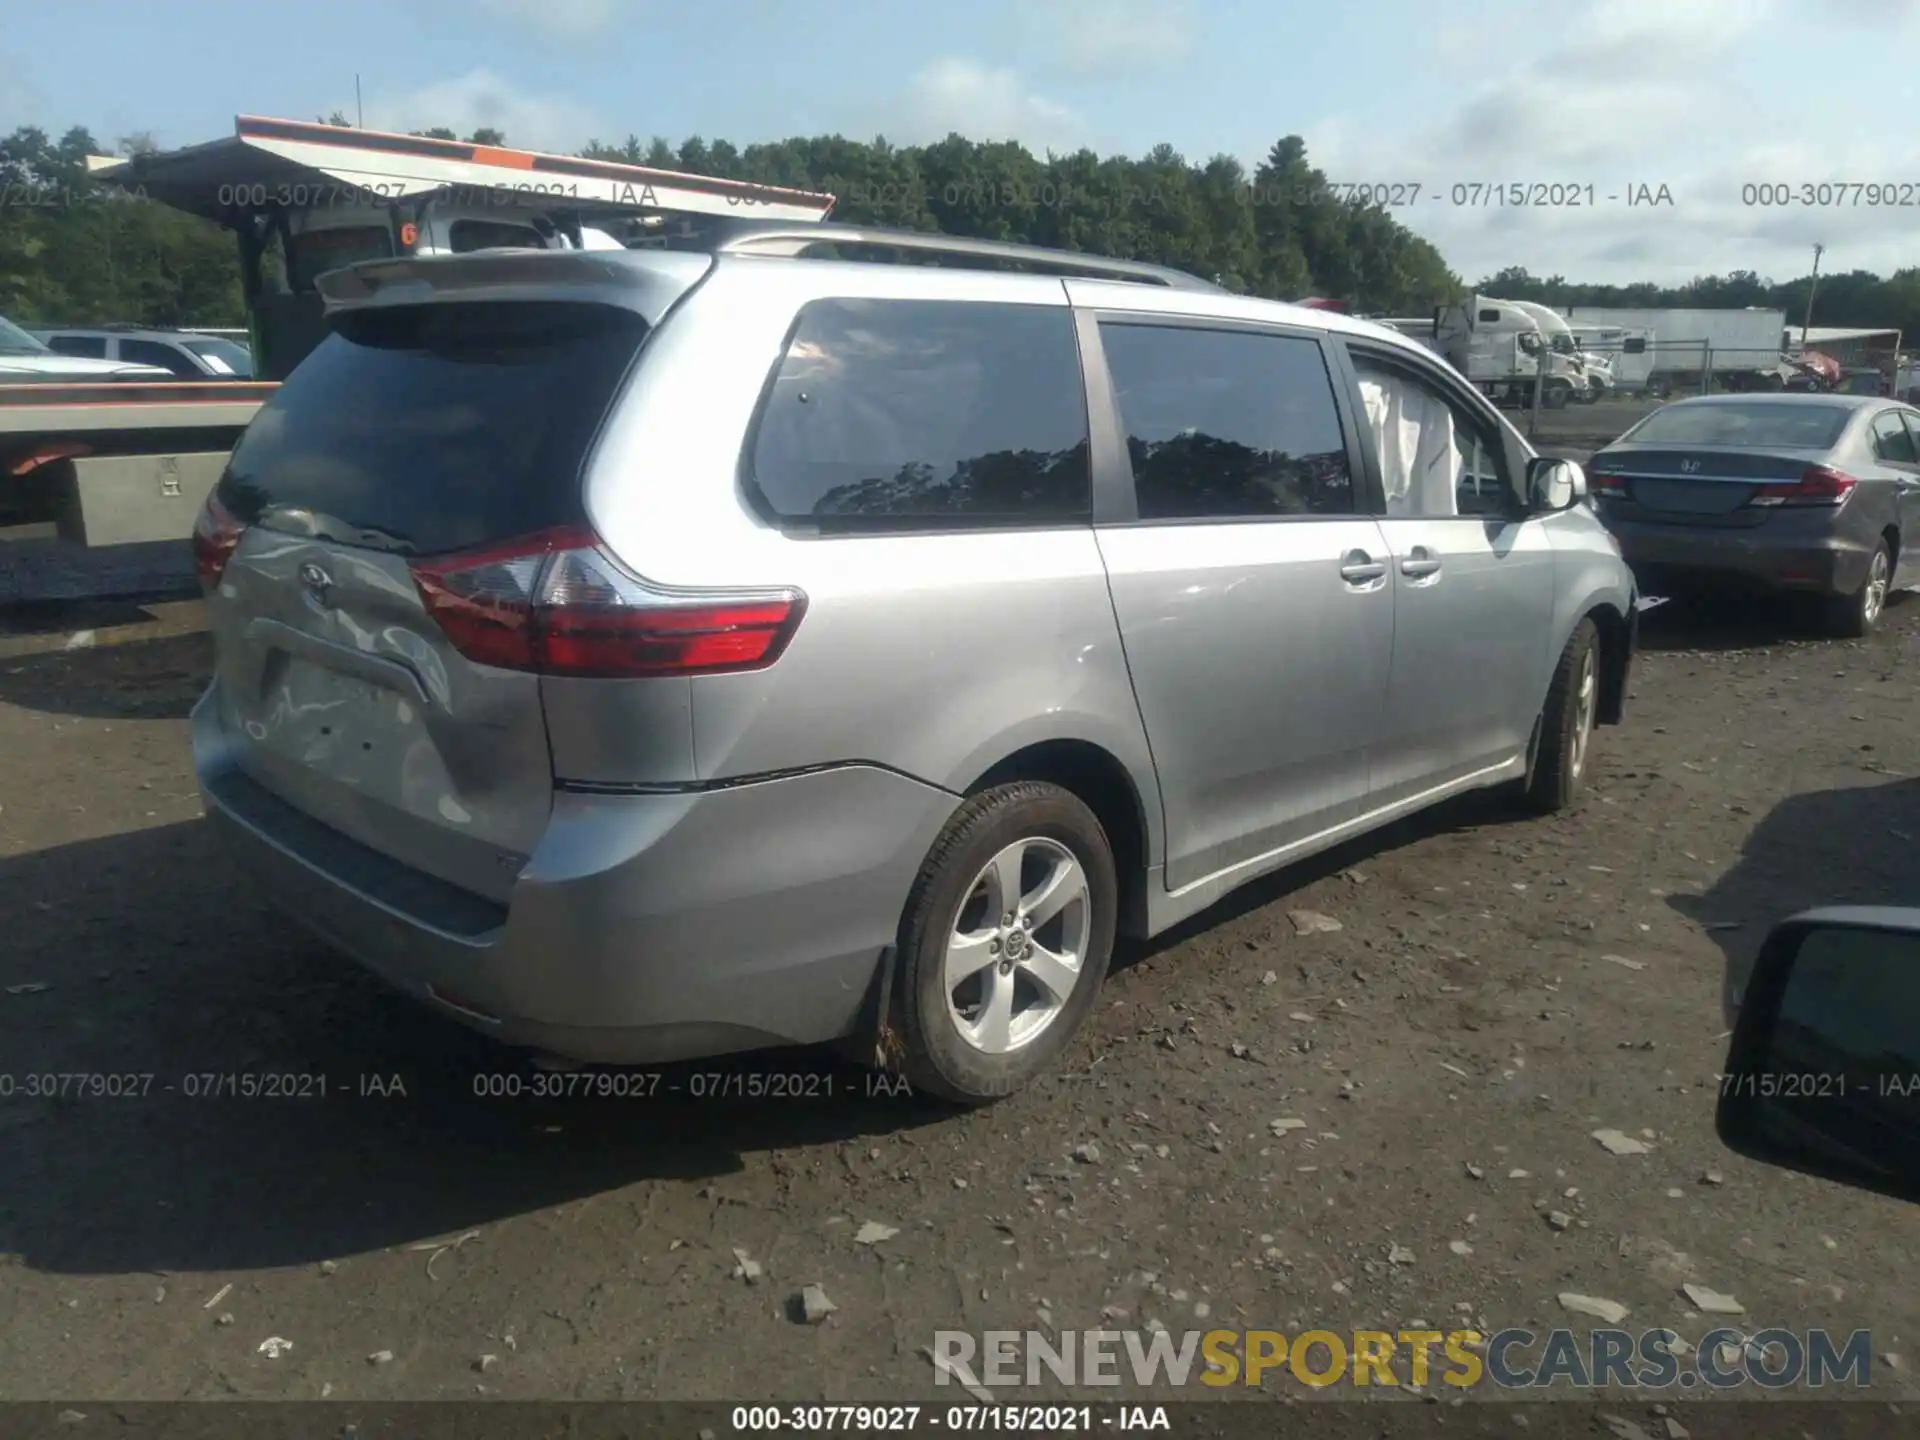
(1005, 942)
(1856, 616)
(1564, 735)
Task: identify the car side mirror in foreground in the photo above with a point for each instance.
(1554, 485)
(1823, 1073)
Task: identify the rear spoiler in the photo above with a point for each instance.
(648, 281)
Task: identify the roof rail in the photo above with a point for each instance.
(798, 240)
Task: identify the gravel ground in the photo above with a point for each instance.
(1498, 989)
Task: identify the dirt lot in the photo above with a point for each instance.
(1499, 989)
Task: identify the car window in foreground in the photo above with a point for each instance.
(434, 428)
(900, 413)
(1228, 424)
(1436, 458)
(1743, 423)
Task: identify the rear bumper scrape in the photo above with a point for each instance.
(644, 928)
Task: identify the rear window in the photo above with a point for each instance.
(431, 428)
(1762, 424)
(911, 413)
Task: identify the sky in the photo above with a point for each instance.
(1701, 97)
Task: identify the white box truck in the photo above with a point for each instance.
(1738, 349)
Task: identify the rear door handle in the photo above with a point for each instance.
(1357, 567)
(1420, 562)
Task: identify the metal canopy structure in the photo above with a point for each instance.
(297, 165)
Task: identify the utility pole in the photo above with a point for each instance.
(360, 116)
(1806, 320)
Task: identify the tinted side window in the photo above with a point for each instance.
(902, 413)
(1226, 423)
(1891, 440)
(148, 352)
(93, 347)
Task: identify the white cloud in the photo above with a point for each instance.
(480, 98)
(560, 19)
(1638, 92)
(982, 103)
(1101, 37)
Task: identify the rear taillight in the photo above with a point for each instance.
(558, 604)
(216, 534)
(1604, 482)
(1821, 485)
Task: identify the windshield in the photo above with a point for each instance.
(15, 341)
(222, 355)
(1743, 424)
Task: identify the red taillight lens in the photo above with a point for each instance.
(216, 534)
(1601, 482)
(558, 604)
(1821, 485)
(483, 599)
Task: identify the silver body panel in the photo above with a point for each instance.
(1220, 621)
(686, 866)
(359, 712)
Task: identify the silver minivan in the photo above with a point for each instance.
(651, 655)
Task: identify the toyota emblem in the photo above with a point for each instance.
(318, 582)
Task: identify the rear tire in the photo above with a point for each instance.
(978, 1005)
(1856, 616)
(1563, 737)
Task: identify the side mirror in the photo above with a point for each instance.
(1823, 1073)
(1555, 485)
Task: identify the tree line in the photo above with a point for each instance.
(72, 251)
